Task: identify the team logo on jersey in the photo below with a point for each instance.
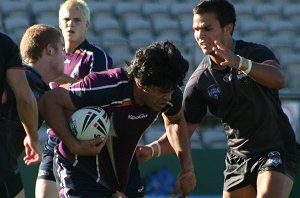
(274, 158)
(227, 78)
(213, 91)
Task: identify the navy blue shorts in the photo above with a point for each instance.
(75, 181)
(46, 165)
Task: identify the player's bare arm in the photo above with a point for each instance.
(177, 133)
(267, 73)
(28, 113)
(53, 106)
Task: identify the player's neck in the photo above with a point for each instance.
(215, 62)
(70, 46)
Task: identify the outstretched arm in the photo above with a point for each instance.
(178, 137)
(161, 146)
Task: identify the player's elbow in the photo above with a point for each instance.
(280, 82)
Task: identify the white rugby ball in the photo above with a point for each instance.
(89, 123)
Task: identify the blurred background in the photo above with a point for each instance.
(122, 26)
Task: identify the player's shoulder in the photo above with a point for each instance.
(254, 51)
(5, 37)
(202, 66)
(7, 44)
(242, 45)
(92, 47)
(117, 74)
(35, 80)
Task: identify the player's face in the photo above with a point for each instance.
(59, 57)
(57, 61)
(156, 98)
(207, 29)
(73, 25)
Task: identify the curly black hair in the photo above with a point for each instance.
(160, 64)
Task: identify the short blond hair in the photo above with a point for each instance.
(76, 4)
(36, 38)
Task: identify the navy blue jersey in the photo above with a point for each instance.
(112, 91)
(250, 112)
(86, 58)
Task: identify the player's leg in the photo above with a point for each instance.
(45, 186)
(273, 184)
(243, 192)
(277, 173)
(237, 180)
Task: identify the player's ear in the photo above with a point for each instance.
(138, 84)
(49, 50)
(228, 28)
(59, 25)
(87, 24)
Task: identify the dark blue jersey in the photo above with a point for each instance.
(112, 91)
(86, 58)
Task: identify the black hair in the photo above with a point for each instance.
(160, 64)
(223, 9)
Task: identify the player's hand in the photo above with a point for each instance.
(88, 147)
(230, 59)
(185, 183)
(118, 194)
(143, 153)
(33, 153)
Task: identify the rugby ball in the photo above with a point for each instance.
(89, 123)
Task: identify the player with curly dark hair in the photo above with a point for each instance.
(134, 97)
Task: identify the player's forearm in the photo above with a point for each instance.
(179, 139)
(28, 114)
(54, 115)
(268, 75)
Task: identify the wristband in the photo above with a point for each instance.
(152, 150)
(240, 63)
(158, 148)
(247, 71)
